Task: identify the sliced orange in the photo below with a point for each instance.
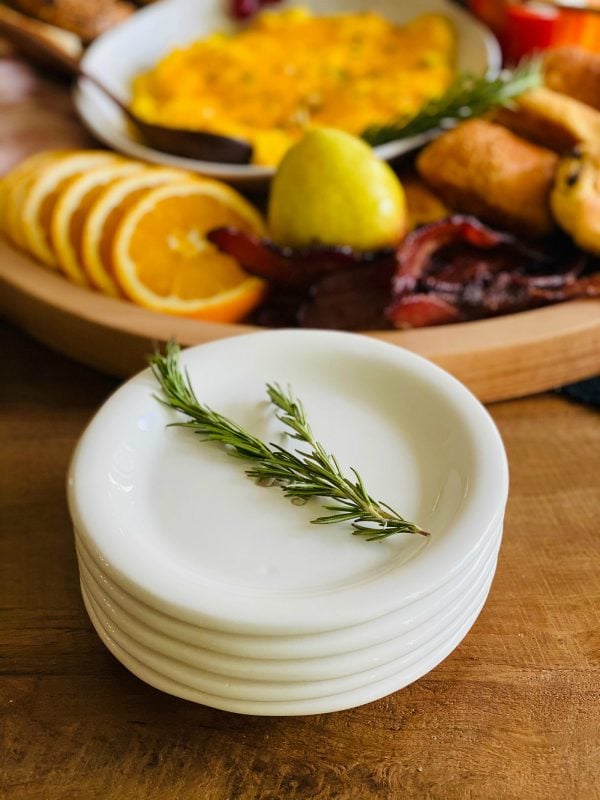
(70, 211)
(14, 189)
(45, 186)
(104, 216)
(163, 261)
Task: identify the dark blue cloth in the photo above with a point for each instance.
(583, 392)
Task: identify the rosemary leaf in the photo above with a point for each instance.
(468, 96)
(299, 474)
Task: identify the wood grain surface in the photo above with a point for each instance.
(498, 358)
(514, 712)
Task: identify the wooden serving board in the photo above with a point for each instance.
(498, 358)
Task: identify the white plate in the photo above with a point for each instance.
(287, 691)
(137, 44)
(290, 670)
(177, 523)
(372, 634)
(321, 705)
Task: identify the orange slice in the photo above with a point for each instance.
(163, 261)
(104, 216)
(70, 211)
(44, 188)
(14, 189)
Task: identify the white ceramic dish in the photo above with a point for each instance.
(320, 705)
(300, 669)
(169, 632)
(286, 691)
(177, 523)
(139, 42)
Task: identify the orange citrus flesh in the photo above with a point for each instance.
(104, 217)
(133, 231)
(163, 261)
(47, 185)
(70, 211)
(14, 192)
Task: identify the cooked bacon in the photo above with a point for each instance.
(414, 254)
(586, 286)
(452, 270)
(285, 266)
(457, 269)
(353, 299)
(421, 310)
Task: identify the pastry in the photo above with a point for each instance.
(574, 72)
(575, 198)
(483, 169)
(551, 119)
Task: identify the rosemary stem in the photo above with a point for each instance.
(300, 474)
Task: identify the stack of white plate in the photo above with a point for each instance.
(220, 591)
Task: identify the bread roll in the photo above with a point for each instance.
(574, 72)
(551, 119)
(575, 198)
(483, 169)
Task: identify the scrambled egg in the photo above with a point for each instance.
(290, 71)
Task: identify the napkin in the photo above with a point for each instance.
(583, 392)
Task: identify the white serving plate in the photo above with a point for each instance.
(248, 649)
(289, 670)
(286, 691)
(137, 44)
(320, 705)
(177, 523)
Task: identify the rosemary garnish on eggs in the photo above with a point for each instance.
(468, 96)
(301, 474)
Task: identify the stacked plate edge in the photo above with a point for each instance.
(222, 592)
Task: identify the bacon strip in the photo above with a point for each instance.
(449, 271)
(414, 254)
(457, 269)
(285, 266)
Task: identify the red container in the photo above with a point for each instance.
(524, 28)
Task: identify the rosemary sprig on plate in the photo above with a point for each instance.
(300, 474)
(468, 96)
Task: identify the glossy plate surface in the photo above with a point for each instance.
(178, 521)
(291, 670)
(265, 691)
(373, 633)
(317, 705)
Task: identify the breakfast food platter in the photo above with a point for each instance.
(497, 358)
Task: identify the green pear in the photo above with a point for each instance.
(331, 189)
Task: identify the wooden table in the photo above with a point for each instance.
(513, 713)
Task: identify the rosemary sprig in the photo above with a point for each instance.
(300, 474)
(468, 96)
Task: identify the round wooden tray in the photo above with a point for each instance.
(498, 358)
